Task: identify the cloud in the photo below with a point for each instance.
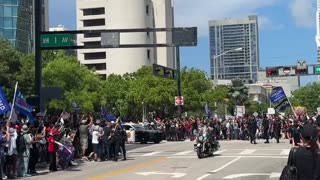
(199, 12)
(266, 23)
(303, 12)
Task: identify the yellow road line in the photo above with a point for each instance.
(127, 169)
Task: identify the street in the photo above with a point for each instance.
(177, 160)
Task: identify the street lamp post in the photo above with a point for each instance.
(215, 61)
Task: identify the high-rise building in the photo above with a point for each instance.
(234, 48)
(124, 14)
(17, 24)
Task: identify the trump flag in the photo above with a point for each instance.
(22, 106)
(4, 105)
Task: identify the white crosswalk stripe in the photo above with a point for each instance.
(223, 153)
(285, 152)
(183, 153)
(247, 151)
(152, 153)
(219, 152)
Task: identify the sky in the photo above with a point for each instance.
(287, 28)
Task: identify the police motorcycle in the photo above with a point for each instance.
(206, 144)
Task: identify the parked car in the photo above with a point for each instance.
(142, 134)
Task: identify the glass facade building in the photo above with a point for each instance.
(16, 23)
(228, 35)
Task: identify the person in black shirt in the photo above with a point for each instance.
(306, 157)
(296, 132)
(266, 124)
(106, 142)
(277, 129)
(252, 126)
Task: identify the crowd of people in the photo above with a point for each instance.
(59, 140)
(244, 128)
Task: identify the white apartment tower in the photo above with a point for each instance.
(124, 14)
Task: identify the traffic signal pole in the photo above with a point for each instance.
(38, 59)
(178, 79)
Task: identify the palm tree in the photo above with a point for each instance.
(238, 92)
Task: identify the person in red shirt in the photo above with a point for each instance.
(52, 149)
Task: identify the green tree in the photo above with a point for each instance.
(238, 92)
(307, 97)
(193, 85)
(115, 95)
(258, 107)
(13, 66)
(157, 94)
(80, 84)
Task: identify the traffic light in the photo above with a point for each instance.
(156, 69)
(301, 71)
(163, 71)
(168, 73)
(272, 72)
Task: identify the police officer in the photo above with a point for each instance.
(266, 125)
(120, 137)
(277, 129)
(252, 126)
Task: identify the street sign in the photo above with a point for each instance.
(110, 39)
(316, 69)
(255, 114)
(55, 40)
(179, 101)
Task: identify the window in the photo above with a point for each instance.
(8, 23)
(95, 55)
(91, 35)
(9, 33)
(147, 10)
(7, 11)
(100, 66)
(92, 43)
(94, 22)
(93, 11)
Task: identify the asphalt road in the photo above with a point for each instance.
(176, 160)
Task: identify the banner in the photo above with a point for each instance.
(4, 105)
(107, 115)
(277, 95)
(22, 106)
(282, 105)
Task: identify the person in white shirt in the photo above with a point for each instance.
(96, 134)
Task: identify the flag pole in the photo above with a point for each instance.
(14, 100)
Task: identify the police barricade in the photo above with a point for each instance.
(131, 134)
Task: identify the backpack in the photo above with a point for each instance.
(21, 144)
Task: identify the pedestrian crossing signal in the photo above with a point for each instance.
(302, 71)
(272, 72)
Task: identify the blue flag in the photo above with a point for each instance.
(208, 110)
(107, 115)
(277, 95)
(22, 106)
(4, 105)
